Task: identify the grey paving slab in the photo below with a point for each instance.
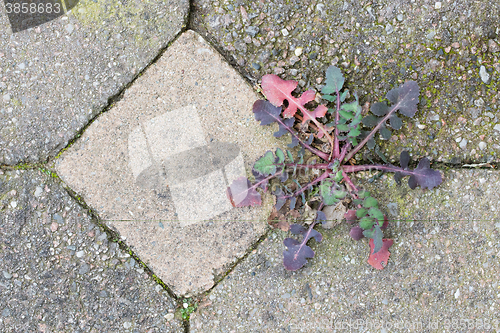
(59, 272)
(57, 76)
(451, 48)
(156, 166)
(442, 275)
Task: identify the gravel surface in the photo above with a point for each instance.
(56, 77)
(59, 272)
(443, 268)
(451, 50)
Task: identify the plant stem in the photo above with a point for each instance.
(308, 166)
(336, 146)
(372, 133)
(387, 168)
(349, 182)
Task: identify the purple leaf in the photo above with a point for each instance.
(283, 128)
(260, 179)
(356, 233)
(396, 122)
(241, 193)
(405, 98)
(265, 112)
(379, 109)
(296, 254)
(404, 158)
(280, 198)
(422, 176)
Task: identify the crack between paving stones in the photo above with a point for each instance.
(113, 236)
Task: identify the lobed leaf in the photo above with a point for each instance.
(334, 81)
(380, 109)
(241, 193)
(266, 164)
(422, 176)
(297, 253)
(405, 98)
(379, 260)
(278, 90)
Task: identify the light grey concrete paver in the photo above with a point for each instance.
(55, 77)
(59, 272)
(156, 166)
(442, 274)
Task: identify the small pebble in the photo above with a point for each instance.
(437, 5)
(6, 275)
(400, 17)
(169, 316)
(284, 32)
(463, 143)
(482, 145)
(485, 76)
(54, 226)
(127, 324)
(298, 51)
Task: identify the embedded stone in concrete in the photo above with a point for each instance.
(59, 272)
(57, 76)
(156, 166)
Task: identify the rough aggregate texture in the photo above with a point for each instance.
(443, 268)
(451, 50)
(55, 77)
(59, 272)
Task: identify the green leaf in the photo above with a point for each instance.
(370, 202)
(366, 222)
(329, 98)
(265, 165)
(357, 202)
(290, 156)
(326, 193)
(338, 177)
(353, 141)
(346, 115)
(339, 194)
(344, 95)
(385, 133)
(280, 155)
(361, 212)
(353, 106)
(354, 132)
(376, 213)
(368, 233)
(343, 127)
(377, 239)
(334, 80)
(363, 194)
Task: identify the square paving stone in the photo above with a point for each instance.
(59, 271)
(156, 166)
(57, 76)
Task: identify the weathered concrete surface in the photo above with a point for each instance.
(443, 45)
(157, 165)
(59, 272)
(443, 270)
(56, 77)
